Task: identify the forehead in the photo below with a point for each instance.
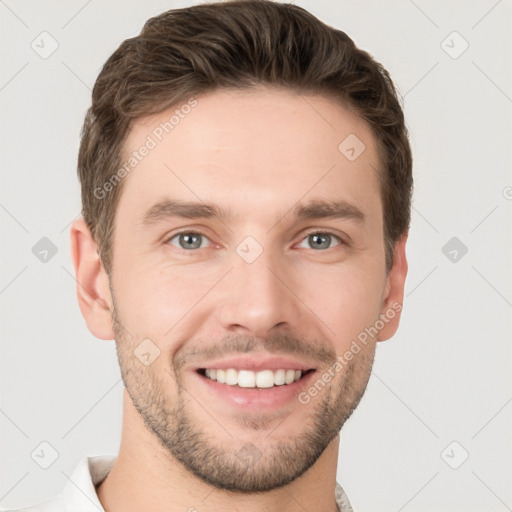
(246, 148)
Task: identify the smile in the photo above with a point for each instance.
(251, 379)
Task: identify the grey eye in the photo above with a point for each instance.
(320, 241)
(188, 240)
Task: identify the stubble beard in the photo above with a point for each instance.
(236, 465)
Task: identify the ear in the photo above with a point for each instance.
(93, 290)
(393, 295)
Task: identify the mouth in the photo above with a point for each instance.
(262, 379)
(253, 382)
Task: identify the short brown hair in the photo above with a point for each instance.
(237, 44)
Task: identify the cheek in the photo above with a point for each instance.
(346, 299)
(152, 300)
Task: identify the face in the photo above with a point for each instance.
(249, 253)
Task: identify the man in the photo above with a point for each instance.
(246, 186)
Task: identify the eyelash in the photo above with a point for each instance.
(313, 232)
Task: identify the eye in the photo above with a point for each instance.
(188, 240)
(320, 240)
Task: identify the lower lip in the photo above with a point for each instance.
(255, 398)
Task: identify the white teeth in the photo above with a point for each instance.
(290, 376)
(265, 379)
(211, 373)
(279, 377)
(246, 379)
(231, 377)
(250, 379)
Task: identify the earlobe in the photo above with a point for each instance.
(93, 290)
(393, 295)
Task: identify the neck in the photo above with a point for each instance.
(146, 477)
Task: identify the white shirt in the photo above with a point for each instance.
(79, 494)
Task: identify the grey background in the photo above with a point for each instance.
(444, 378)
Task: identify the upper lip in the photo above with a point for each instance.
(258, 363)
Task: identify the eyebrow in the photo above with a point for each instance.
(320, 209)
(317, 209)
(183, 209)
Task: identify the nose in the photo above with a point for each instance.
(258, 297)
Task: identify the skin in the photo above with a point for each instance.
(258, 152)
